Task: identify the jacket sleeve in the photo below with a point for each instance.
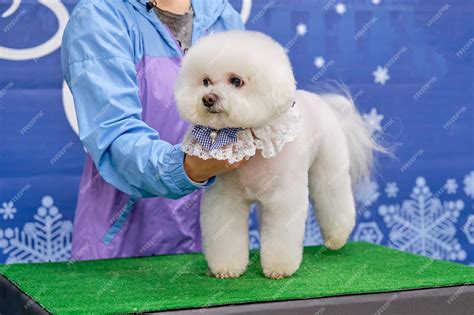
(98, 66)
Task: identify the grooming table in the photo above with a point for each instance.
(361, 278)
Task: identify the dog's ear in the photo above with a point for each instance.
(282, 86)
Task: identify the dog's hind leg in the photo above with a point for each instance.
(224, 227)
(331, 191)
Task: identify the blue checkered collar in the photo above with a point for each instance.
(211, 139)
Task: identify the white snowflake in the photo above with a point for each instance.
(340, 8)
(469, 184)
(381, 75)
(376, 2)
(301, 29)
(319, 62)
(373, 121)
(367, 192)
(312, 233)
(468, 228)
(368, 232)
(46, 239)
(451, 186)
(8, 210)
(424, 225)
(391, 190)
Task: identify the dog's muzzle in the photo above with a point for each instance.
(211, 102)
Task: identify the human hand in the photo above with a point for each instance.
(199, 170)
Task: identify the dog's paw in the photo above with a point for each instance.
(282, 265)
(230, 270)
(335, 243)
(280, 270)
(224, 273)
(278, 273)
(337, 237)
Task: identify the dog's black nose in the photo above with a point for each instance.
(209, 99)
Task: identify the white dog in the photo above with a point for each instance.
(303, 145)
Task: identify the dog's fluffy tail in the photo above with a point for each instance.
(362, 146)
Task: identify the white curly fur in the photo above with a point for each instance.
(333, 150)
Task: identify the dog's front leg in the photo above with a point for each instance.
(224, 225)
(282, 230)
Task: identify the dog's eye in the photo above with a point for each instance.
(236, 81)
(206, 82)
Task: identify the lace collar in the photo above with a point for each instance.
(270, 139)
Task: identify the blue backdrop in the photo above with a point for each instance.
(409, 65)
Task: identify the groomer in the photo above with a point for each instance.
(139, 194)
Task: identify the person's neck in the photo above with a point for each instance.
(174, 6)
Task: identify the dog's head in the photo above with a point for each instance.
(235, 79)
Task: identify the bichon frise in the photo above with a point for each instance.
(238, 91)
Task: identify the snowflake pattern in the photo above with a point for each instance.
(367, 192)
(46, 239)
(451, 186)
(373, 121)
(424, 225)
(381, 75)
(468, 229)
(340, 8)
(469, 184)
(8, 210)
(368, 232)
(319, 62)
(365, 212)
(391, 190)
(301, 29)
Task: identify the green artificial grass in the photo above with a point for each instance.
(181, 281)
